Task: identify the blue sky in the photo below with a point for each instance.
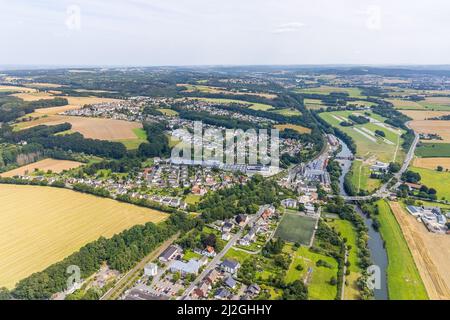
(202, 32)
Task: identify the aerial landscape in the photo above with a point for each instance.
(223, 181)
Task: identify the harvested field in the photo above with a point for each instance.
(406, 104)
(295, 127)
(218, 90)
(33, 96)
(442, 128)
(432, 163)
(73, 101)
(4, 88)
(44, 165)
(56, 110)
(95, 128)
(431, 253)
(424, 114)
(44, 85)
(41, 225)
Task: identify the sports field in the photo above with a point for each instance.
(53, 165)
(296, 228)
(41, 225)
(403, 278)
(430, 252)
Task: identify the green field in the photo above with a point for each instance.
(360, 174)
(192, 198)
(288, 112)
(437, 180)
(296, 228)
(347, 231)
(426, 104)
(133, 144)
(319, 287)
(168, 112)
(252, 105)
(433, 150)
(404, 282)
(352, 92)
(366, 147)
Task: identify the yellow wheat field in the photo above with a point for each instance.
(44, 165)
(295, 127)
(41, 225)
(94, 128)
(432, 163)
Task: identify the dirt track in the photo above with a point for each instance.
(431, 253)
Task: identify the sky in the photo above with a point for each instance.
(226, 32)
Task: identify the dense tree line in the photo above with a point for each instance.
(335, 171)
(227, 203)
(77, 143)
(158, 143)
(12, 108)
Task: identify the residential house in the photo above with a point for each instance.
(230, 266)
(222, 294)
(241, 219)
(209, 252)
(212, 276)
(253, 289)
(230, 282)
(226, 236)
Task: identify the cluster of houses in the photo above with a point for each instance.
(432, 218)
(165, 174)
(211, 108)
(293, 146)
(260, 226)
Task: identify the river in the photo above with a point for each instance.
(375, 243)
